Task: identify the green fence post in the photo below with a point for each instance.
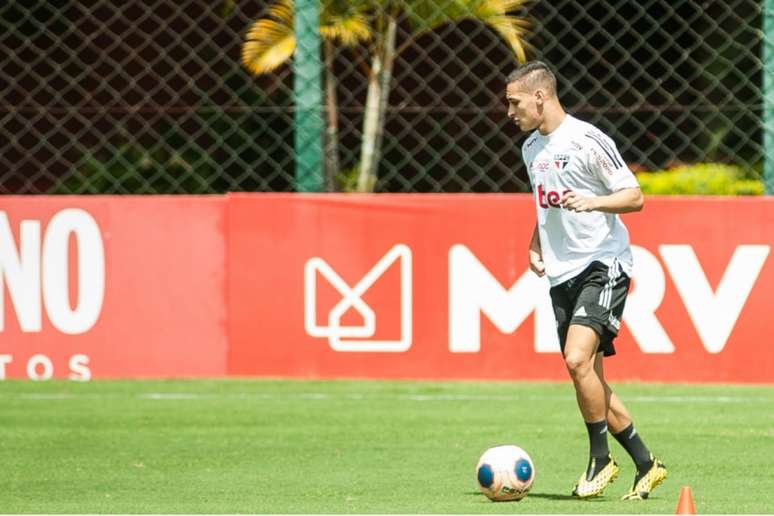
(308, 97)
(768, 96)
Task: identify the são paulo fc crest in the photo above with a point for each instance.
(561, 161)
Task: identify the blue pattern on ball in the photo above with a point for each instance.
(523, 470)
(485, 475)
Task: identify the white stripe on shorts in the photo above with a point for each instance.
(606, 296)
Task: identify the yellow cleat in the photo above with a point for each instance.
(643, 487)
(586, 488)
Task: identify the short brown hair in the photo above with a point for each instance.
(534, 75)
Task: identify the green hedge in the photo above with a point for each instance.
(700, 179)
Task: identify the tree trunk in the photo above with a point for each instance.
(375, 108)
(332, 114)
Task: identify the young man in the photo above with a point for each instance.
(581, 184)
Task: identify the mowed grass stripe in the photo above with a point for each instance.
(275, 446)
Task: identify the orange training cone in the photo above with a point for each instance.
(685, 503)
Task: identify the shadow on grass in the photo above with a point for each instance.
(550, 496)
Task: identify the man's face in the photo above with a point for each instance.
(525, 108)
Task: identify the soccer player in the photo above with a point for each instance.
(581, 184)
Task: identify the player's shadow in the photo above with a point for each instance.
(547, 496)
(552, 496)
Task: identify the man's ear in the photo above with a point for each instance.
(540, 96)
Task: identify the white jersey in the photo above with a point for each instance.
(577, 157)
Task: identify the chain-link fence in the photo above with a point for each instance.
(152, 96)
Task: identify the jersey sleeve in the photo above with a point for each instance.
(606, 163)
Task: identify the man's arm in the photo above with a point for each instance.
(536, 254)
(622, 201)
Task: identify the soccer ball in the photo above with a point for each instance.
(505, 473)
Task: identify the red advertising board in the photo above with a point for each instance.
(373, 286)
(100, 287)
(437, 286)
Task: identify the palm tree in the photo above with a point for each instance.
(270, 42)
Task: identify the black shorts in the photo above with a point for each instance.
(594, 298)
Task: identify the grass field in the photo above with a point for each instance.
(360, 447)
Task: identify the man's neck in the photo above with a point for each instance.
(553, 119)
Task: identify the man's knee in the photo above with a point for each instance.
(578, 363)
(580, 351)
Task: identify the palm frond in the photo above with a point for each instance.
(268, 45)
(427, 15)
(282, 11)
(349, 31)
(346, 21)
(271, 41)
(513, 29)
(508, 6)
(513, 32)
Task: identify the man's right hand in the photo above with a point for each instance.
(536, 263)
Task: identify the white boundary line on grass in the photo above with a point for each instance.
(317, 396)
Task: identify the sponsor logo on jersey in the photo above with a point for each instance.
(541, 165)
(550, 198)
(602, 161)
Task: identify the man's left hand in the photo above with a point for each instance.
(575, 202)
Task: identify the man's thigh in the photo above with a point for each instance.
(582, 343)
